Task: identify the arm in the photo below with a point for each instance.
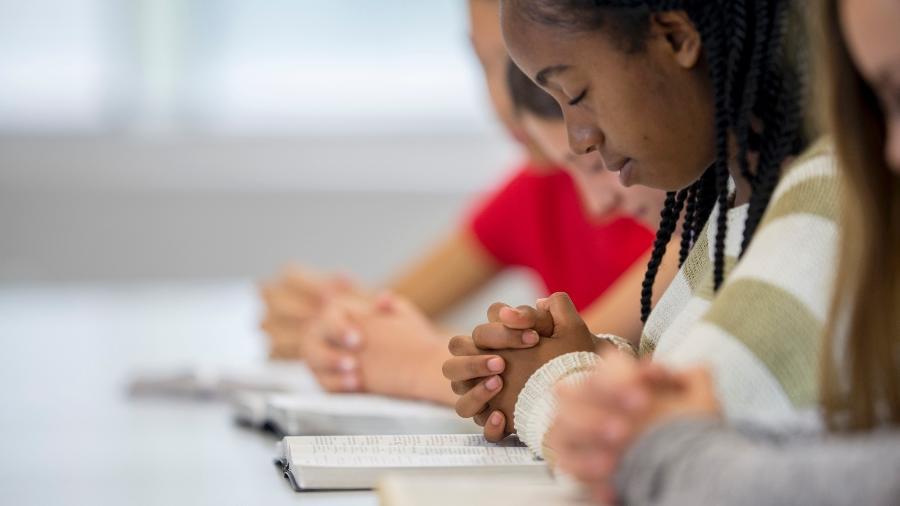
(762, 331)
(662, 443)
(700, 461)
(450, 272)
(618, 311)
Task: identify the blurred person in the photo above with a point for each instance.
(564, 217)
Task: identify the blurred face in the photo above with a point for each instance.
(648, 115)
(487, 41)
(873, 39)
(600, 190)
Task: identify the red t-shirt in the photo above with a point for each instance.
(537, 220)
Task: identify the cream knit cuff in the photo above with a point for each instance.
(536, 405)
(620, 344)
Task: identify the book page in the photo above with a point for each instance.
(404, 451)
(359, 404)
(417, 457)
(428, 440)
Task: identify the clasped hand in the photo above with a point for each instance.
(600, 418)
(350, 339)
(489, 368)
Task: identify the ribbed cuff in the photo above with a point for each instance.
(621, 344)
(536, 405)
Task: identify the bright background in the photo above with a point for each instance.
(198, 139)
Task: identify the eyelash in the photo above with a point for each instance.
(579, 98)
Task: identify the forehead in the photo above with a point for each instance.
(536, 46)
(872, 30)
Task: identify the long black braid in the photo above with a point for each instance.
(758, 87)
(667, 224)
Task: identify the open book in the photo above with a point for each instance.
(347, 414)
(358, 462)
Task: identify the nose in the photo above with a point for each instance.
(584, 136)
(591, 164)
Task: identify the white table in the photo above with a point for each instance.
(72, 436)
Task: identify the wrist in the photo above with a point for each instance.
(536, 406)
(428, 382)
(609, 342)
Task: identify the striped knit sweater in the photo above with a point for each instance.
(760, 333)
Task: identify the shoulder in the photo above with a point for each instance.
(537, 177)
(810, 185)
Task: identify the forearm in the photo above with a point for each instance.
(450, 272)
(704, 462)
(429, 383)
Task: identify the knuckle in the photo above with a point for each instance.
(487, 333)
(458, 387)
(497, 306)
(447, 370)
(525, 310)
(457, 344)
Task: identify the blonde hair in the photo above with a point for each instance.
(861, 373)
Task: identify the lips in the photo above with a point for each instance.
(618, 166)
(624, 167)
(626, 173)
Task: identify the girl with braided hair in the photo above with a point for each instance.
(675, 449)
(703, 99)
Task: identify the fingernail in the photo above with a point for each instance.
(493, 383)
(347, 364)
(350, 382)
(495, 364)
(494, 419)
(530, 337)
(352, 339)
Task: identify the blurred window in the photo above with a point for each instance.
(258, 66)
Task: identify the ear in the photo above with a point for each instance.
(680, 35)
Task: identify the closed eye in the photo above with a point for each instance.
(579, 98)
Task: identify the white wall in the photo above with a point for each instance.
(93, 209)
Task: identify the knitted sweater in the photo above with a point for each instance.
(760, 333)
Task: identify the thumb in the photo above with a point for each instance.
(527, 317)
(342, 282)
(355, 311)
(561, 310)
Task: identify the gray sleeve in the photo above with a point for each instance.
(704, 462)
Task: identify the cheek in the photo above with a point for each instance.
(685, 135)
(668, 128)
(675, 157)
